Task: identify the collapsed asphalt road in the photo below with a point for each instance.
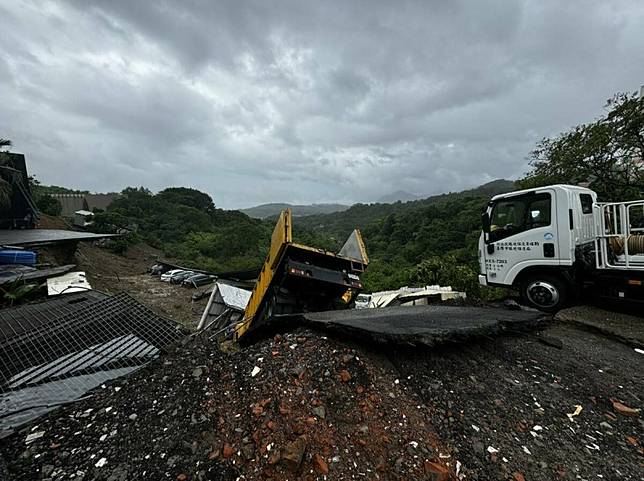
(560, 403)
(423, 325)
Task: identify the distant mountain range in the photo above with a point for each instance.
(265, 211)
(398, 196)
(270, 210)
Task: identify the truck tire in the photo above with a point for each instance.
(547, 293)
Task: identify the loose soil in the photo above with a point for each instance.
(299, 406)
(321, 408)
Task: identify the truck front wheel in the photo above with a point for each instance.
(546, 293)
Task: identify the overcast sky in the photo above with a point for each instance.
(304, 101)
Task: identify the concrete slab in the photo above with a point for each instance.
(425, 325)
(39, 237)
(35, 275)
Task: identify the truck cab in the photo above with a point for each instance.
(547, 242)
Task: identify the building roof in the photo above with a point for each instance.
(100, 201)
(70, 203)
(74, 202)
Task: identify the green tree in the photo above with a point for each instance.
(608, 153)
(447, 271)
(190, 197)
(49, 205)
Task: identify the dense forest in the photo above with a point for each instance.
(420, 242)
(401, 238)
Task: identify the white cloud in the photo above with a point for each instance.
(297, 101)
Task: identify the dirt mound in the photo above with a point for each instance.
(298, 406)
(100, 262)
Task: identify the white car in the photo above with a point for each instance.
(168, 275)
(362, 301)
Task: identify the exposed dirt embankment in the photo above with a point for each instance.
(114, 273)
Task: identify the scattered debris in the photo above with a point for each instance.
(225, 306)
(408, 296)
(68, 283)
(366, 432)
(623, 409)
(44, 237)
(11, 275)
(33, 436)
(577, 412)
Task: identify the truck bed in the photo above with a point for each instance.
(298, 278)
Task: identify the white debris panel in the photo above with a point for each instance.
(68, 283)
(225, 305)
(413, 296)
(234, 297)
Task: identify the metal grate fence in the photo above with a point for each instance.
(55, 352)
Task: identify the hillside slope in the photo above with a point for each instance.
(340, 224)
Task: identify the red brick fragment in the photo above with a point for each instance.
(436, 472)
(228, 450)
(623, 409)
(320, 464)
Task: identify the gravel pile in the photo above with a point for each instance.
(561, 404)
(298, 406)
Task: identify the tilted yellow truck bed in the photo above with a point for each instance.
(331, 276)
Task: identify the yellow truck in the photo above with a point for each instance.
(298, 278)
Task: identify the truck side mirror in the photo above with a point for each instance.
(485, 220)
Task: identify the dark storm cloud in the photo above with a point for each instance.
(257, 101)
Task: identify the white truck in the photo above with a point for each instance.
(552, 242)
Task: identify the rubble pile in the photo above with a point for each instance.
(563, 405)
(297, 406)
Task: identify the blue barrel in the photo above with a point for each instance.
(15, 256)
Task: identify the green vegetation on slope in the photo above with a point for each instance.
(339, 225)
(607, 154)
(186, 224)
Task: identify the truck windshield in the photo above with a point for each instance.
(518, 214)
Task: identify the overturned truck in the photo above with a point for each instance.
(297, 278)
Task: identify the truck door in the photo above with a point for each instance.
(522, 232)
